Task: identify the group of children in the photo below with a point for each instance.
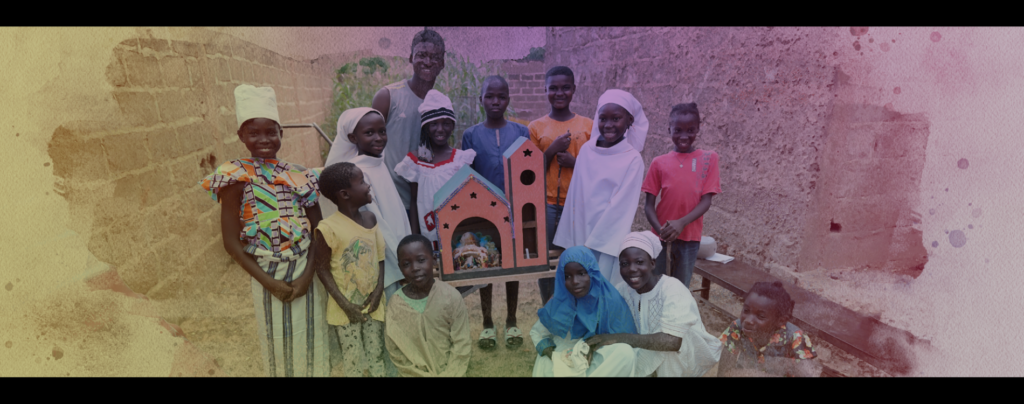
(608, 293)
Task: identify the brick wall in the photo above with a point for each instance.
(131, 179)
(781, 116)
(526, 87)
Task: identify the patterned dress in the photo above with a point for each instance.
(293, 336)
(787, 342)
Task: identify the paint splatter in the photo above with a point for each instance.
(976, 212)
(957, 238)
(57, 353)
(858, 31)
(970, 226)
(931, 211)
(856, 45)
(9, 286)
(935, 244)
(884, 47)
(936, 36)
(963, 164)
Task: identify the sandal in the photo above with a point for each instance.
(488, 339)
(513, 337)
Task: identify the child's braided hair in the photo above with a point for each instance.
(777, 294)
(336, 177)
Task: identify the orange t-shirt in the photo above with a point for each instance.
(545, 130)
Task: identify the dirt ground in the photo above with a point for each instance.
(225, 330)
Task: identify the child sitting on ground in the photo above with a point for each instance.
(428, 324)
(349, 259)
(428, 172)
(673, 341)
(560, 135)
(686, 178)
(762, 342)
(265, 203)
(490, 139)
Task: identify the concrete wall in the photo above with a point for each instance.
(769, 102)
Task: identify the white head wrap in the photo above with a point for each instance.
(343, 149)
(644, 240)
(435, 106)
(635, 134)
(255, 102)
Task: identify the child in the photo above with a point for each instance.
(428, 325)
(349, 260)
(490, 139)
(686, 178)
(428, 172)
(672, 340)
(560, 135)
(605, 188)
(399, 101)
(584, 305)
(762, 342)
(265, 204)
(361, 140)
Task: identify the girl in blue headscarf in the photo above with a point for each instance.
(584, 304)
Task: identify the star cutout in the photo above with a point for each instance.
(446, 225)
(455, 207)
(472, 195)
(527, 152)
(493, 204)
(506, 219)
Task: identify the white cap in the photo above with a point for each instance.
(255, 102)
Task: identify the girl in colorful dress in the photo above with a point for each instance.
(436, 163)
(267, 209)
(762, 342)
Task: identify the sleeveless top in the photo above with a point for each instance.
(403, 128)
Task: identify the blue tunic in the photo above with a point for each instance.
(484, 141)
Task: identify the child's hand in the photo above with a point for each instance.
(548, 351)
(671, 230)
(374, 300)
(354, 313)
(566, 160)
(299, 288)
(561, 143)
(280, 289)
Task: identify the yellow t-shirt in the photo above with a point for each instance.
(356, 253)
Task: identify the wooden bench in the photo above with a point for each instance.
(866, 338)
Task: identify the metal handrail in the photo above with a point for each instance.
(310, 125)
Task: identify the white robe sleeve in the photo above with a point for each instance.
(617, 219)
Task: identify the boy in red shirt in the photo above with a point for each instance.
(686, 178)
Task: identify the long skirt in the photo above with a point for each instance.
(293, 335)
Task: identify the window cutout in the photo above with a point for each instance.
(529, 218)
(527, 177)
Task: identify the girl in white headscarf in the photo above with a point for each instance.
(604, 192)
(671, 340)
(387, 205)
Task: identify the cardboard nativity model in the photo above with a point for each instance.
(484, 231)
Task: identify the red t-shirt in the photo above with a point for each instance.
(681, 179)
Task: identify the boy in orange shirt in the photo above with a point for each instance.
(560, 134)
